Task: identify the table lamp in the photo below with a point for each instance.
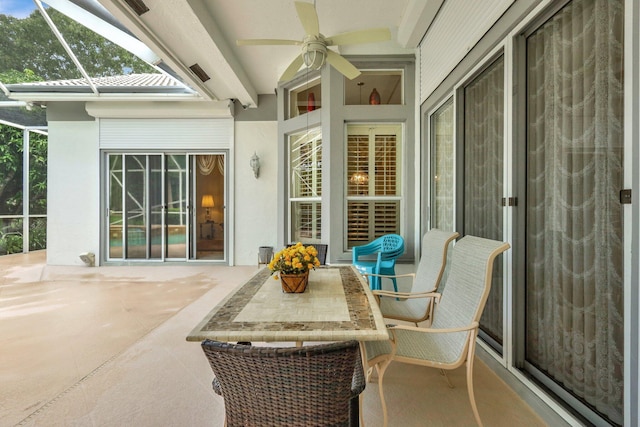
(207, 203)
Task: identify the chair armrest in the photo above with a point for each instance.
(367, 249)
(216, 386)
(472, 326)
(408, 295)
(359, 381)
(387, 276)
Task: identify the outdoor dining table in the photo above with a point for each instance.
(336, 306)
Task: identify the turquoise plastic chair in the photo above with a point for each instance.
(386, 248)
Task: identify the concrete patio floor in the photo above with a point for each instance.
(106, 346)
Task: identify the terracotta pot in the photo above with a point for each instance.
(294, 283)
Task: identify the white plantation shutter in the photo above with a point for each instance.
(373, 205)
(305, 191)
(385, 161)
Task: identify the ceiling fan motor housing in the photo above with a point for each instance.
(314, 51)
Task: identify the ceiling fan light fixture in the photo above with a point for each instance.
(314, 54)
(314, 45)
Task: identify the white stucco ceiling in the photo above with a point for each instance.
(186, 32)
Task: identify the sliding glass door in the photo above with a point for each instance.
(558, 195)
(483, 191)
(574, 223)
(161, 207)
(442, 168)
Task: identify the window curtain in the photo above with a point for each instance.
(483, 176)
(574, 267)
(442, 168)
(208, 162)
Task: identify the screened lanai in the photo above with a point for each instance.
(71, 47)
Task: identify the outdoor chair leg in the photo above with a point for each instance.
(470, 358)
(446, 377)
(471, 395)
(381, 371)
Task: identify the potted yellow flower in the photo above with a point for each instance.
(292, 265)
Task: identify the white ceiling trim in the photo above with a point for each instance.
(416, 21)
(132, 22)
(184, 36)
(154, 110)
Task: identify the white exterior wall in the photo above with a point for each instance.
(74, 189)
(255, 211)
(73, 192)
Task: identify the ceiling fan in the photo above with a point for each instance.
(314, 45)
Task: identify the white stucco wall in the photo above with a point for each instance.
(73, 193)
(255, 211)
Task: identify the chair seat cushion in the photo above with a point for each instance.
(438, 348)
(414, 308)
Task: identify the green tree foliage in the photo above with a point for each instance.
(29, 44)
(37, 174)
(30, 52)
(11, 190)
(11, 143)
(14, 76)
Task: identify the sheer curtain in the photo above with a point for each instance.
(574, 279)
(442, 168)
(483, 176)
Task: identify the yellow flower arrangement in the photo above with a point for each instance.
(295, 259)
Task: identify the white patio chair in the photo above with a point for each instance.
(451, 339)
(417, 304)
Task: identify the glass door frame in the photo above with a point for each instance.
(501, 352)
(192, 206)
(191, 229)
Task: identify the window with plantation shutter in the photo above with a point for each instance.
(305, 185)
(385, 165)
(373, 184)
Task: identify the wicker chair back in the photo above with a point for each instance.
(275, 386)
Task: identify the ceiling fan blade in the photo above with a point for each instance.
(342, 65)
(361, 36)
(292, 69)
(255, 42)
(308, 17)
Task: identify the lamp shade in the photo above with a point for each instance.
(207, 201)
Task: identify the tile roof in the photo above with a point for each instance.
(126, 84)
(129, 80)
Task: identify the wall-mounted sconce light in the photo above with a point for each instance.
(207, 203)
(255, 164)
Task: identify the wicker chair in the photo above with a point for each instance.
(451, 339)
(322, 251)
(417, 304)
(292, 386)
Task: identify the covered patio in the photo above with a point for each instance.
(106, 346)
(514, 120)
